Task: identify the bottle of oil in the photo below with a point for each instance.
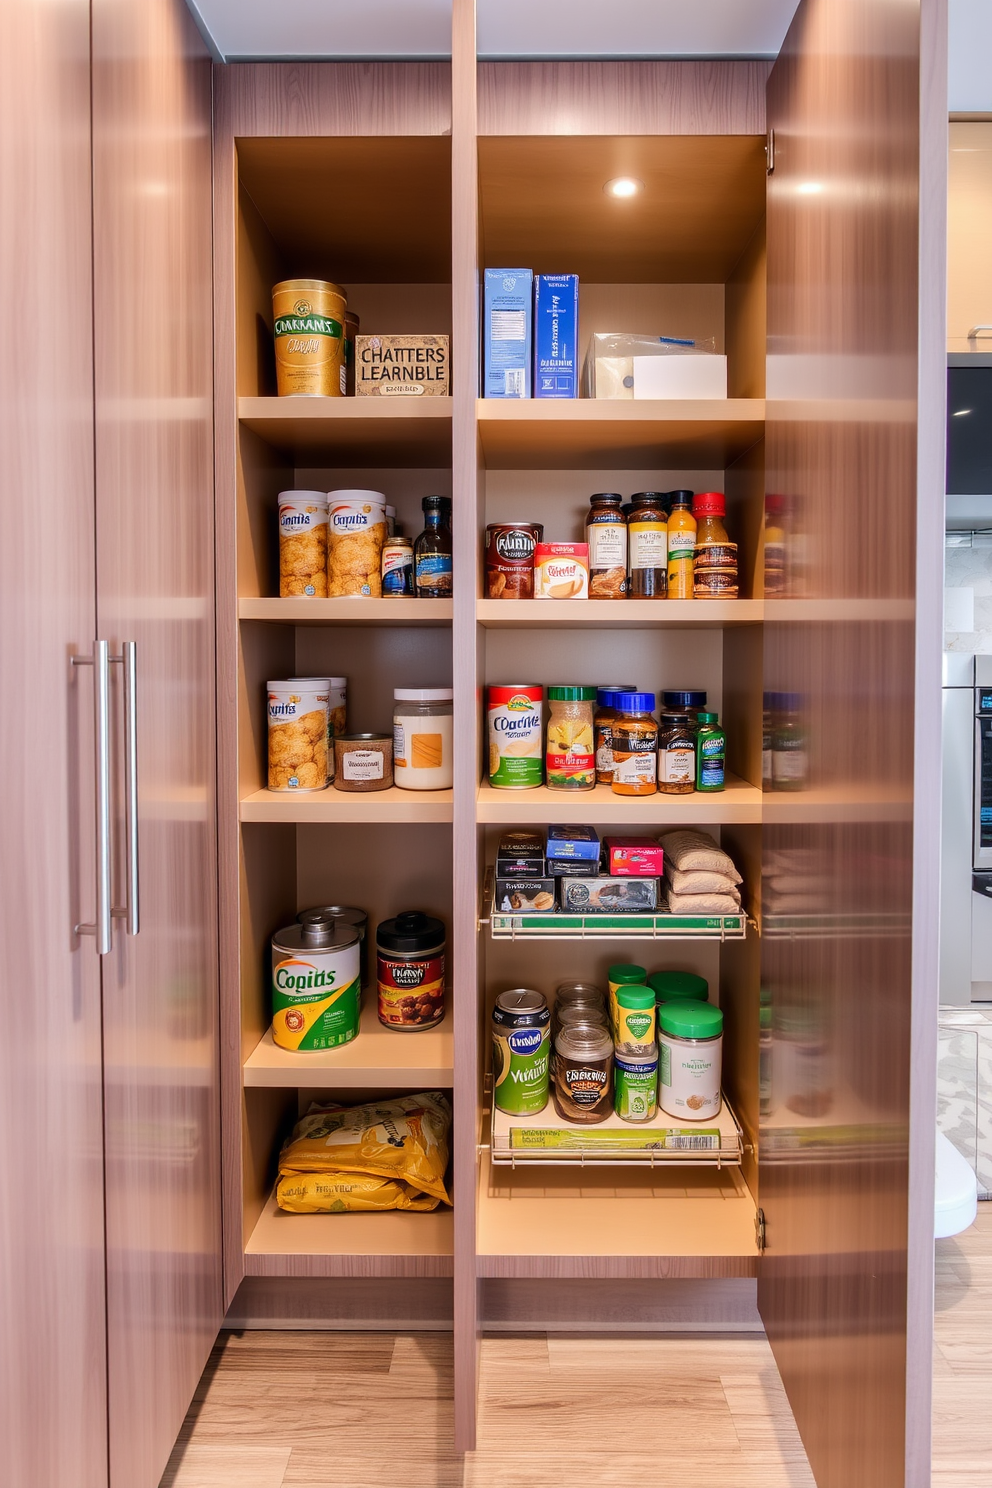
(681, 546)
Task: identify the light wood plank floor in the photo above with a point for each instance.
(340, 1410)
(962, 1383)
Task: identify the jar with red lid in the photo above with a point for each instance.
(410, 971)
(714, 571)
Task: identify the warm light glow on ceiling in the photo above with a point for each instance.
(623, 186)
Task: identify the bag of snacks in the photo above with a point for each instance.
(404, 1142)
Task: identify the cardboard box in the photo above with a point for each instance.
(556, 335)
(698, 376)
(634, 857)
(572, 842)
(525, 895)
(578, 867)
(507, 321)
(561, 570)
(520, 855)
(401, 366)
(608, 895)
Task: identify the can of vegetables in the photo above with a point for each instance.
(410, 971)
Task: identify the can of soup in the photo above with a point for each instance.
(521, 1045)
(516, 756)
(308, 317)
(510, 559)
(316, 991)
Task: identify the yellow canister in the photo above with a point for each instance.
(308, 328)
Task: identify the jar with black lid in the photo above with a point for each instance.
(410, 971)
(647, 545)
(676, 755)
(606, 534)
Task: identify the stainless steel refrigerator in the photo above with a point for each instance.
(966, 834)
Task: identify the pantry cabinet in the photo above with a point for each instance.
(794, 213)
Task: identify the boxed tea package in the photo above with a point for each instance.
(401, 366)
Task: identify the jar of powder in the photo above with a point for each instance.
(363, 762)
(423, 737)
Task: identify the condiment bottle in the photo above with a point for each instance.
(636, 1019)
(603, 720)
(606, 534)
(647, 542)
(790, 760)
(676, 755)
(623, 974)
(432, 550)
(570, 756)
(709, 509)
(681, 546)
(635, 746)
(715, 561)
(711, 754)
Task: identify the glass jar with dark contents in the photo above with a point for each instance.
(676, 755)
(410, 971)
(583, 1070)
(647, 544)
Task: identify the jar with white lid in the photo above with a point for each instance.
(423, 738)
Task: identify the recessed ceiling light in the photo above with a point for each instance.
(960, 412)
(623, 186)
(810, 188)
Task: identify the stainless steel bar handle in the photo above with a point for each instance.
(129, 659)
(102, 927)
(979, 330)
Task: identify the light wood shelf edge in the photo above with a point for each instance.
(620, 410)
(392, 805)
(346, 611)
(342, 410)
(740, 802)
(393, 1243)
(377, 1057)
(631, 614)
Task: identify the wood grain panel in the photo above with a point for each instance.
(969, 225)
(747, 320)
(701, 97)
(53, 1398)
(843, 309)
(339, 98)
(330, 1303)
(154, 467)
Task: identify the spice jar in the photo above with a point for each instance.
(647, 542)
(606, 535)
(423, 724)
(363, 762)
(635, 746)
(603, 720)
(623, 974)
(303, 544)
(410, 971)
(397, 567)
(671, 986)
(715, 558)
(635, 1084)
(681, 546)
(583, 1083)
(684, 702)
(570, 757)
(790, 760)
(636, 1022)
(690, 1038)
(676, 755)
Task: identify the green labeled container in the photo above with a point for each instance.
(521, 1044)
(636, 1020)
(635, 1084)
(711, 754)
(623, 974)
(316, 983)
(690, 1047)
(671, 986)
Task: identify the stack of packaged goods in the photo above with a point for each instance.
(700, 878)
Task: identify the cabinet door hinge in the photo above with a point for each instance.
(770, 152)
(759, 1230)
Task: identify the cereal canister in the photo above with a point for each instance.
(298, 734)
(521, 1045)
(410, 971)
(356, 534)
(308, 328)
(316, 986)
(302, 544)
(515, 736)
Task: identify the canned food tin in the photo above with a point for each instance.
(308, 329)
(635, 1085)
(510, 559)
(357, 918)
(410, 971)
(397, 568)
(521, 1043)
(298, 733)
(302, 544)
(315, 984)
(516, 736)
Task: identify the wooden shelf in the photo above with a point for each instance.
(630, 614)
(839, 611)
(740, 802)
(408, 1061)
(392, 805)
(394, 1243)
(600, 434)
(840, 803)
(432, 612)
(383, 432)
(538, 1223)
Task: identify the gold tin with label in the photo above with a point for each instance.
(308, 328)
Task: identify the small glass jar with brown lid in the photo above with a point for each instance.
(676, 755)
(603, 720)
(635, 745)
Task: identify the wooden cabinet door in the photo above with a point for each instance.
(52, 1396)
(155, 584)
(855, 415)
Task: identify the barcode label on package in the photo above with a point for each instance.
(513, 382)
(701, 1141)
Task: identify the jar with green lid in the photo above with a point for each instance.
(670, 986)
(636, 1023)
(635, 1084)
(690, 1047)
(623, 974)
(570, 751)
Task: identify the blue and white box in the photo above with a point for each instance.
(507, 333)
(556, 335)
(580, 843)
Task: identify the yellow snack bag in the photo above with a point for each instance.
(405, 1140)
(347, 1193)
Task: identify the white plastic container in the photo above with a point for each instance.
(690, 1048)
(703, 375)
(423, 738)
